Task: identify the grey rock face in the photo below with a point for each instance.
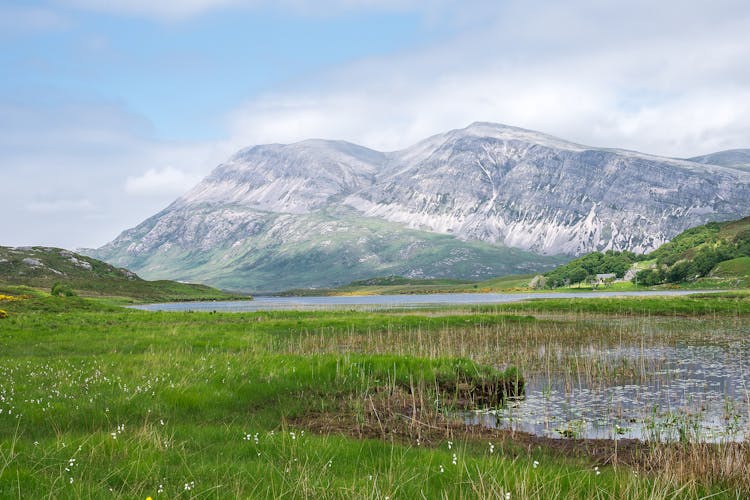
(523, 189)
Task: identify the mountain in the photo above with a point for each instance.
(45, 267)
(732, 158)
(471, 203)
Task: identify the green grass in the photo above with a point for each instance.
(729, 303)
(99, 401)
(733, 268)
(508, 284)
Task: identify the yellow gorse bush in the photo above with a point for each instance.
(3, 314)
(11, 298)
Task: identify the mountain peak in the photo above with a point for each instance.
(307, 145)
(502, 132)
(493, 125)
(289, 178)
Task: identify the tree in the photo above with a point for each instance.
(648, 277)
(681, 271)
(538, 282)
(577, 274)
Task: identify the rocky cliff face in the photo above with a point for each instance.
(524, 189)
(480, 201)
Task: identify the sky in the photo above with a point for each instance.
(111, 109)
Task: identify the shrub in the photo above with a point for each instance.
(3, 314)
(62, 289)
(12, 298)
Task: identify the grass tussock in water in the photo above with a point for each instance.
(99, 401)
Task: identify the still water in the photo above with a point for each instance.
(372, 301)
(690, 393)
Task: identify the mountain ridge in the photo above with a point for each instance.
(730, 158)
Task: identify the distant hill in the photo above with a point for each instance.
(697, 252)
(719, 250)
(69, 272)
(738, 159)
(310, 251)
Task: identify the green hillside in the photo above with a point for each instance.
(322, 250)
(716, 254)
(67, 273)
(694, 255)
(739, 267)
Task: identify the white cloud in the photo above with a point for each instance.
(673, 83)
(65, 166)
(160, 182)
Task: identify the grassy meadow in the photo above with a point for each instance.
(100, 401)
